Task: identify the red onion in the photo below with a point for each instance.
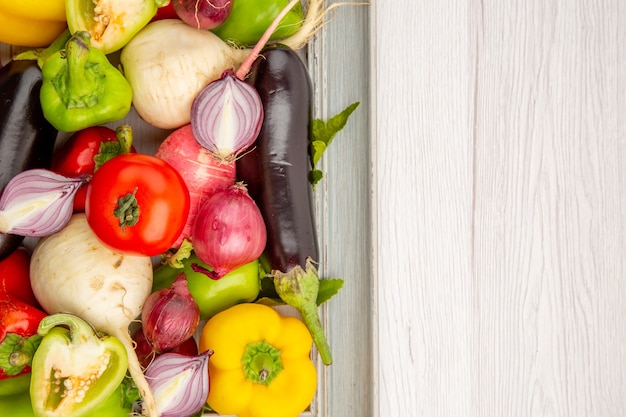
(180, 383)
(37, 202)
(226, 116)
(170, 316)
(146, 355)
(229, 231)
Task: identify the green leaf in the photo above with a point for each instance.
(175, 260)
(323, 133)
(328, 289)
(318, 147)
(315, 176)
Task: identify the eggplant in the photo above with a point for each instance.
(27, 139)
(276, 170)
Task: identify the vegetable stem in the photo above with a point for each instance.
(299, 288)
(244, 69)
(79, 83)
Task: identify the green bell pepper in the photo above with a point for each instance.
(81, 88)
(75, 369)
(19, 405)
(249, 19)
(238, 286)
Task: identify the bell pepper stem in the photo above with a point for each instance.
(299, 288)
(124, 134)
(261, 362)
(41, 54)
(79, 83)
(79, 329)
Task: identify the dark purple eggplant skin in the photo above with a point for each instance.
(276, 169)
(27, 139)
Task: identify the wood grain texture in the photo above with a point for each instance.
(499, 208)
(340, 66)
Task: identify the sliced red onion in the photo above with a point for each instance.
(226, 116)
(180, 383)
(37, 202)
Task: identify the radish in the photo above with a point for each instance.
(169, 62)
(203, 14)
(203, 173)
(71, 271)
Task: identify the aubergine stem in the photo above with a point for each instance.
(299, 288)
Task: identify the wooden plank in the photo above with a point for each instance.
(340, 65)
(500, 208)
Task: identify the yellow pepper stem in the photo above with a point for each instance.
(261, 362)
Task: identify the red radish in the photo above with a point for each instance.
(229, 231)
(203, 14)
(203, 173)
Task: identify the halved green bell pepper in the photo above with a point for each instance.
(75, 369)
(238, 286)
(19, 405)
(81, 88)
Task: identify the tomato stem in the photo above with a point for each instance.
(127, 211)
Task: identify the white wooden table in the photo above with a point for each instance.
(499, 181)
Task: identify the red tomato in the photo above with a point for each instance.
(137, 204)
(77, 156)
(15, 276)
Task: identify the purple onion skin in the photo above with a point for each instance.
(189, 396)
(170, 316)
(203, 14)
(210, 121)
(229, 231)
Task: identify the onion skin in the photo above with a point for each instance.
(229, 231)
(37, 202)
(226, 116)
(180, 383)
(170, 316)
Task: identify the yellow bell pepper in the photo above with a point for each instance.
(261, 364)
(31, 23)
